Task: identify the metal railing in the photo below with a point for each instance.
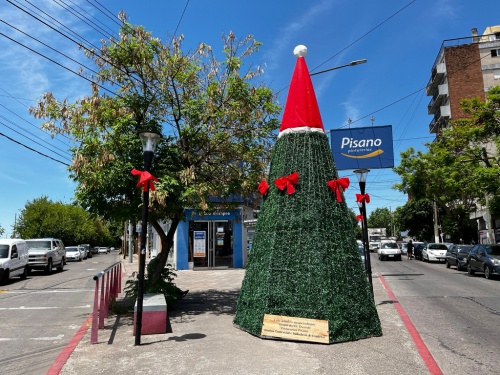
(111, 286)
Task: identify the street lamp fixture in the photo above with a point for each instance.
(149, 141)
(362, 174)
(354, 62)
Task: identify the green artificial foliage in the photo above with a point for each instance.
(304, 260)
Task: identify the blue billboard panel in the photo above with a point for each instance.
(369, 147)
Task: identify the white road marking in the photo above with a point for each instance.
(44, 307)
(58, 337)
(90, 290)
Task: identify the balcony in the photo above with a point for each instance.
(437, 75)
(437, 100)
(440, 119)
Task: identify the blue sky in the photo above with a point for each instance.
(400, 51)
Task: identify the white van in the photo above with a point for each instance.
(13, 259)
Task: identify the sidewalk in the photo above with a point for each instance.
(204, 340)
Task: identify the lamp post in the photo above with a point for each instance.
(361, 174)
(354, 62)
(149, 141)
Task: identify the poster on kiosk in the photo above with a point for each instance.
(368, 147)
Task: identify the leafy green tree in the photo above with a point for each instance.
(2, 231)
(416, 216)
(460, 168)
(381, 218)
(217, 122)
(42, 217)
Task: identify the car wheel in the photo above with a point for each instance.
(79, 259)
(24, 275)
(470, 271)
(447, 264)
(487, 273)
(48, 267)
(459, 267)
(61, 266)
(5, 277)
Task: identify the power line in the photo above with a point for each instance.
(83, 18)
(59, 64)
(180, 19)
(39, 144)
(32, 149)
(102, 6)
(20, 127)
(365, 34)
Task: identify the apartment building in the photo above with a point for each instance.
(466, 68)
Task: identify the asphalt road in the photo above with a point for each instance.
(40, 315)
(457, 315)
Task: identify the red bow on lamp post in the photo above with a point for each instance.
(287, 182)
(145, 179)
(263, 187)
(360, 218)
(338, 186)
(363, 197)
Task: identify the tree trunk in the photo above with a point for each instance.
(167, 241)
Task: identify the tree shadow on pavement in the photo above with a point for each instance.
(218, 302)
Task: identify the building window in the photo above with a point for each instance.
(497, 36)
(495, 52)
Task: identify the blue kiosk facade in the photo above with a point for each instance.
(212, 241)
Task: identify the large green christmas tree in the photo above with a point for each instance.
(304, 261)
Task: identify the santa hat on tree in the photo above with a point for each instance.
(304, 261)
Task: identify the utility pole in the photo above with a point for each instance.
(436, 226)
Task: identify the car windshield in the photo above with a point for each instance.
(71, 249)
(390, 245)
(494, 250)
(464, 249)
(38, 244)
(438, 246)
(4, 251)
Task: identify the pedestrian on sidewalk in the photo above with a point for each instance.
(409, 249)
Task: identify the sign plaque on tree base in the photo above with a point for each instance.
(296, 329)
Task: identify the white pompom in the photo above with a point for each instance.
(300, 51)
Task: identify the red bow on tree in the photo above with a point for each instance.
(359, 217)
(263, 187)
(145, 179)
(287, 182)
(338, 186)
(362, 197)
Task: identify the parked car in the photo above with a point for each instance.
(103, 250)
(74, 253)
(45, 253)
(89, 251)
(484, 258)
(434, 252)
(404, 248)
(389, 249)
(13, 259)
(361, 250)
(417, 249)
(457, 256)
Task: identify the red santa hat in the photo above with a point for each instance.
(301, 109)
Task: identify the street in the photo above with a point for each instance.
(457, 315)
(41, 314)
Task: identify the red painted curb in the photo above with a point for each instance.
(424, 352)
(61, 359)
